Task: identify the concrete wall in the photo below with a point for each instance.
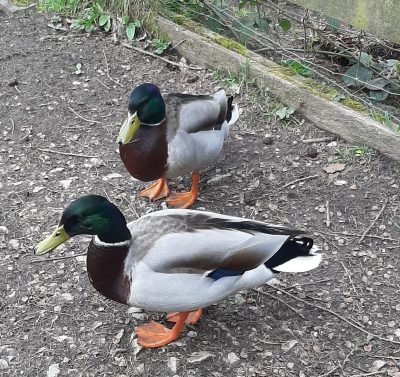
(379, 17)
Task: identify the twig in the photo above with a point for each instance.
(349, 276)
(282, 301)
(13, 126)
(318, 140)
(59, 258)
(329, 372)
(356, 326)
(308, 283)
(108, 71)
(356, 235)
(180, 65)
(178, 44)
(80, 116)
(367, 374)
(375, 220)
(328, 216)
(300, 180)
(65, 153)
(272, 343)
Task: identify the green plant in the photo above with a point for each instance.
(160, 45)
(384, 118)
(347, 154)
(130, 27)
(298, 67)
(284, 112)
(59, 6)
(92, 16)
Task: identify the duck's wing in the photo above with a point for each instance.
(204, 241)
(194, 113)
(191, 259)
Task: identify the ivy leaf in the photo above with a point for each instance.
(103, 19)
(107, 26)
(377, 84)
(131, 31)
(333, 23)
(298, 67)
(378, 95)
(366, 59)
(357, 75)
(285, 24)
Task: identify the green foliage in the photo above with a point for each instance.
(384, 118)
(284, 112)
(59, 6)
(333, 23)
(298, 67)
(160, 45)
(285, 24)
(130, 27)
(348, 154)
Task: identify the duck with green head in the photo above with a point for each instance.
(178, 261)
(166, 136)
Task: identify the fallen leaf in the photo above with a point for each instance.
(334, 168)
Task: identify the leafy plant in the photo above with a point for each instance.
(159, 45)
(284, 112)
(59, 6)
(90, 17)
(347, 154)
(130, 27)
(285, 24)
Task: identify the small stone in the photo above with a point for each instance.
(3, 230)
(232, 358)
(378, 364)
(192, 334)
(173, 364)
(53, 370)
(382, 227)
(243, 354)
(268, 140)
(290, 365)
(239, 299)
(4, 364)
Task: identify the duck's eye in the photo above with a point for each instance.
(57, 234)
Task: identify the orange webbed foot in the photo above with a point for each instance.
(186, 199)
(192, 318)
(153, 334)
(156, 191)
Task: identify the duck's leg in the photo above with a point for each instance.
(157, 190)
(186, 199)
(192, 318)
(154, 334)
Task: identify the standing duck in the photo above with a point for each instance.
(178, 260)
(172, 135)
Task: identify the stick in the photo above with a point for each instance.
(66, 153)
(59, 258)
(375, 220)
(356, 326)
(308, 283)
(367, 374)
(349, 276)
(300, 180)
(80, 116)
(283, 302)
(356, 235)
(328, 216)
(108, 71)
(180, 65)
(318, 140)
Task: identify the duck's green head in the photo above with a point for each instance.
(146, 106)
(91, 214)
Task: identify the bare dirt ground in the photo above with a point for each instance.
(57, 142)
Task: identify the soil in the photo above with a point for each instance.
(57, 142)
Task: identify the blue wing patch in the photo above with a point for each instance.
(222, 273)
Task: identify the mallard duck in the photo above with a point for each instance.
(172, 135)
(177, 260)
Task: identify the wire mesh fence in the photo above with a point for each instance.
(356, 68)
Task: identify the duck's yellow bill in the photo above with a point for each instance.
(55, 239)
(128, 129)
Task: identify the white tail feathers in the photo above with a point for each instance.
(301, 264)
(235, 115)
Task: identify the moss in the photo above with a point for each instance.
(22, 3)
(232, 45)
(355, 105)
(360, 19)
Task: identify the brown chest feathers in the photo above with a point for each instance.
(146, 156)
(105, 266)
